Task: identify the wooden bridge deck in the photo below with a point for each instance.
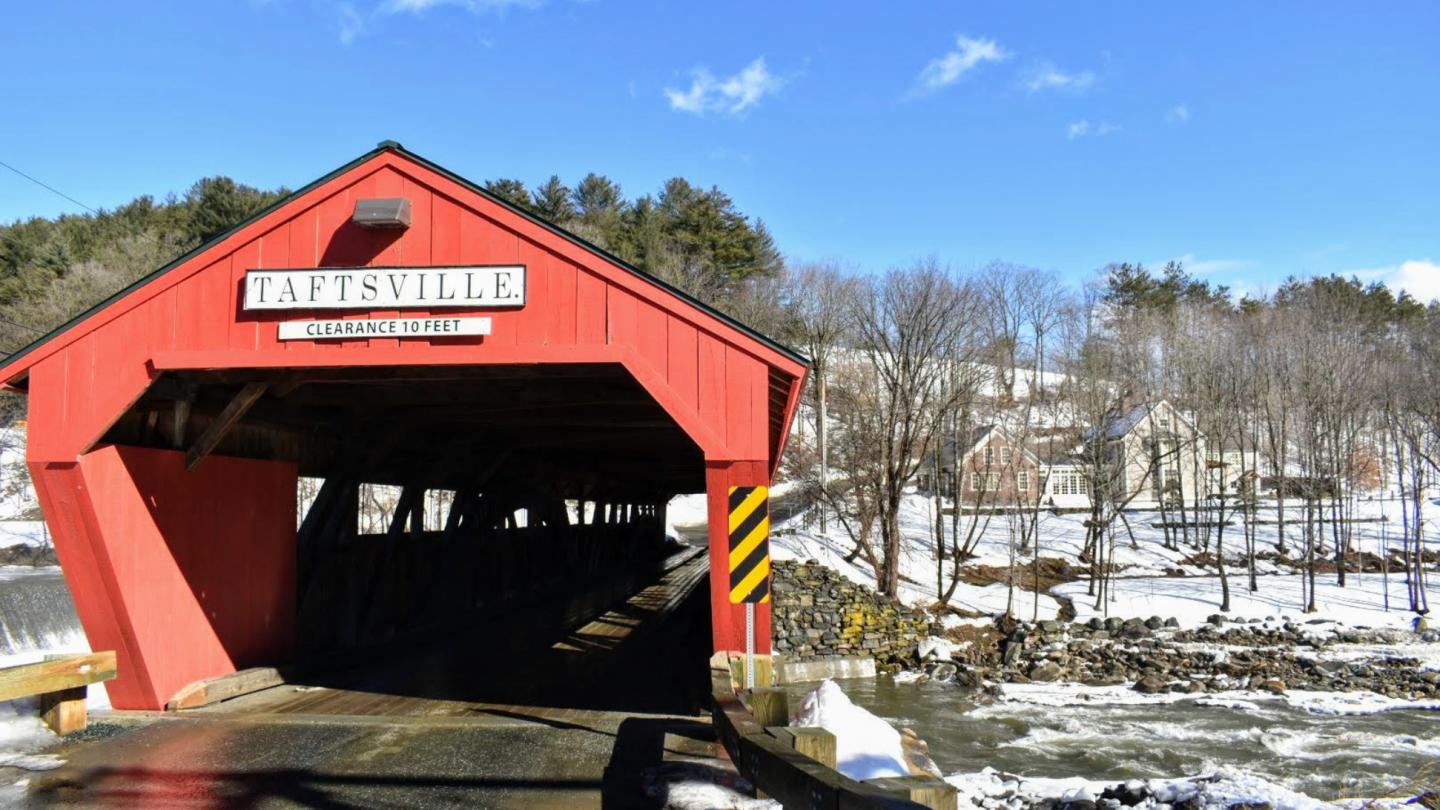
(537, 716)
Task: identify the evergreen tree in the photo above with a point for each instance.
(511, 191)
(218, 204)
(552, 201)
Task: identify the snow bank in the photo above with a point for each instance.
(1064, 694)
(1190, 600)
(1224, 788)
(23, 532)
(693, 786)
(866, 747)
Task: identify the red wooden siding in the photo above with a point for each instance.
(199, 566)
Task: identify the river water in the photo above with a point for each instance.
(1324, 756)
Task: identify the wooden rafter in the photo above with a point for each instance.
(233, 412)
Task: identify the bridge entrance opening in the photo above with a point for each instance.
(473, 533)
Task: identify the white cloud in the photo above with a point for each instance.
(472, 6)
(1045, 76)
(732, 95)
(1179, 114)
(1204, 267)
(351, 23)
(1419, 277)
(969, 54)
(354, 23)
(1083, 128)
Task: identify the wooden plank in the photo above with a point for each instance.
(213, 690)
(233, 412)
(56, 675)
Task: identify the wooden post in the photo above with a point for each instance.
(770, 706)
(812, 741)
(936, 794)
(64, 711)
(764, 670)
(181, 417)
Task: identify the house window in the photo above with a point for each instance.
(1067, 483)
(1165, 423)
(1004, 455)
(989, 456)
(1022, 481)
(985, 482)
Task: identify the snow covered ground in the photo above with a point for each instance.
(1190, 600)
(1146, 586)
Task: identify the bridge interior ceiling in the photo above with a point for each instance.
(583, 430)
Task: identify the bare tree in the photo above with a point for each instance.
(907, 325)
(819, 298)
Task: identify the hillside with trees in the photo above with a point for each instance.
(52, 269)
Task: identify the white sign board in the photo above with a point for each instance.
(384, 328)
(386, 287)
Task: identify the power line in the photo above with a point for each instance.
(93, 211)
(34, 329)
(49, 188)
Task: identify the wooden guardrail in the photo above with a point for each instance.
(60, 682)
(796, 765)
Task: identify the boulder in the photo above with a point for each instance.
(1274, 686)
(1046, 671)
(1151, 685)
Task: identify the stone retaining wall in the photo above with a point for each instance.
(819, 614)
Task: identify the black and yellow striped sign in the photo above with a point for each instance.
(749, 545)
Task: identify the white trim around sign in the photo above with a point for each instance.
(383, 328)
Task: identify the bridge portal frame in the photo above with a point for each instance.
(162, 560)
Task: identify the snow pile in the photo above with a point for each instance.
(691, 786)
(1225, 788)
(21, 735)
(866, 747)
(935, 648)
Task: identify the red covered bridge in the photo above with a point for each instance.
(454, 344)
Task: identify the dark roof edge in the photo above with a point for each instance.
(9, 362)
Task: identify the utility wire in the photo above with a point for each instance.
(34, 329)
(65, 196)
(49, 188)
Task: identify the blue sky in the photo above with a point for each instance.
(1255, 140)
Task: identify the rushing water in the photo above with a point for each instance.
(36, 613)
(1327, 757)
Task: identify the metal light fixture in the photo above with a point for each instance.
(387, 213)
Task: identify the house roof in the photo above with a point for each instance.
(1120, 425)
(14, 367)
